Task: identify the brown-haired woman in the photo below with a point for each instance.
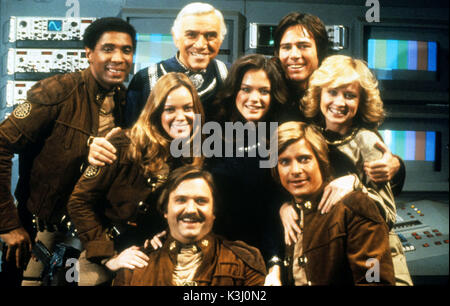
(118, 200)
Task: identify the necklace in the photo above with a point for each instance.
(338, 142)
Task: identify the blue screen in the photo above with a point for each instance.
(54, 25)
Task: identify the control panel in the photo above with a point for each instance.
(47, 28)
(422, 226)
(16, 92)
(40, 47)
(46, 60)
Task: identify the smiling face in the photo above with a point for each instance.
(299, 170)
(111, 59)
(253, 98)
(298, 54)
(178, 113)
(190, 210)
(339, 106)
(199, 41)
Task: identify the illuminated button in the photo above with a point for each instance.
(414, 234)
(412, 206)
(446, 241)
(435, 231)
(426, 245)
(415, 209)
(418, 237)
(437, 243)
(419, 212)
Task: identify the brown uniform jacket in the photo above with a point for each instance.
(49, 132)
(224, 263)
(337, 245)
(114, 195)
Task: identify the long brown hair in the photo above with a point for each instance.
(225, 103)
(150, 144)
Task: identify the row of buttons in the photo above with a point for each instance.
(429, 235)
(426, 245)
(408, 247)
(419, 212)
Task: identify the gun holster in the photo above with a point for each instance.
(53, 262)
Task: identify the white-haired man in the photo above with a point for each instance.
(198, 32)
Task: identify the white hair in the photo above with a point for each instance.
(198, 8)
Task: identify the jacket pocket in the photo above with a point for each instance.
(228, 274)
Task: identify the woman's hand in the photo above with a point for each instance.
(155, 242)
(335, 191)
(289, 217)
(130, 258)
(384, 169)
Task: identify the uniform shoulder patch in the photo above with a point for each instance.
(22, 110)
(91, 171)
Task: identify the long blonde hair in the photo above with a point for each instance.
(150, 144)
(340, 70)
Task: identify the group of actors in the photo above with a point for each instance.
(95, 164)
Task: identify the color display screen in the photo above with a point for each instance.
(411, 145)
(403, 59)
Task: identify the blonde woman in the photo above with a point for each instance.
(344, 100)
(113, 207)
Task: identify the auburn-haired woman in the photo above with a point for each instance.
(113, 207)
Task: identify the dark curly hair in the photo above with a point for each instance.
(96, 29)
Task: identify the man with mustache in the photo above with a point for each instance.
(51, 131)
(192, 254)
(198, 32)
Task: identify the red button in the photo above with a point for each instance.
(429, 236)
(446, 241)
(411, 217)
(435, 231)
(426, 245)
(414, 234)
(426, 232)
(438, 234)
(437, 243)
(418, 237)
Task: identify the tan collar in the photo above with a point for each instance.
(98, 93)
